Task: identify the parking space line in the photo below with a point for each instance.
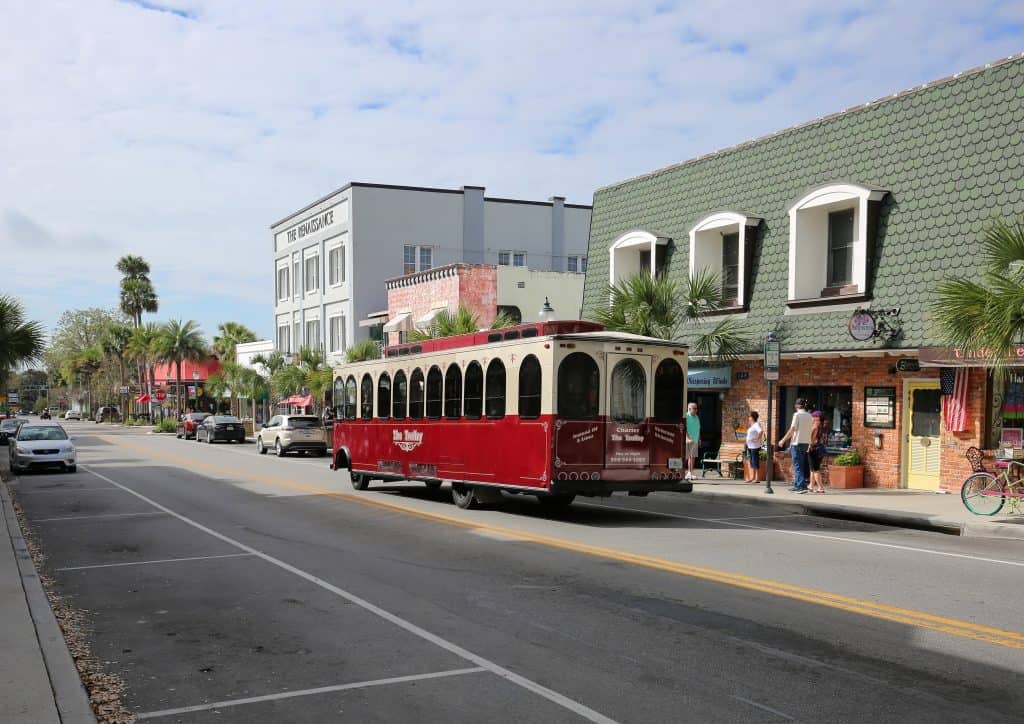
(94, 517)
(309, 692)
(565, 702)
(754, 517)
(65, 490)
(161, 560)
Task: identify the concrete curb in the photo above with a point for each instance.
(70, 696)
(894, 518)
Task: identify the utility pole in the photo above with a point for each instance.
(772, 354)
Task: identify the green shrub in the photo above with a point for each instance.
(847, 459)
(168, 424)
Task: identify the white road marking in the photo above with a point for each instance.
(755, 517)
(65, 490)
(93, 517)
(553, 696)
(762, 707)
(308, 692)
(842, 539)
(161, 560)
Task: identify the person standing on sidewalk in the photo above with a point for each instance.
(816, 451)
(800, 434)
(692, 438)
(752, 447)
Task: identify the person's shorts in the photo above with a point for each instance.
(754, 457)
(691, 449)
(814, 463)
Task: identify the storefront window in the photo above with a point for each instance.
(835, 405)
(1008, 425)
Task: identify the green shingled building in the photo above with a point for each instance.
(826, 233)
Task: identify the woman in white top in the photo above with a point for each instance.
(752, 447)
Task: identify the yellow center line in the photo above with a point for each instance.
(919, 619)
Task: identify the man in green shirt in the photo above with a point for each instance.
(692, 438)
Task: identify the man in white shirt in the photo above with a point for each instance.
(800, 433)
(755, 438)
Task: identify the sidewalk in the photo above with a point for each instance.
(918, 509)
(38, 679)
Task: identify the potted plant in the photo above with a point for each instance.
(846, 471)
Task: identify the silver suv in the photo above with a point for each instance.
(292, 433)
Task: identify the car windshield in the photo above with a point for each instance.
(9, 424)
(300, 423)
(30, 433)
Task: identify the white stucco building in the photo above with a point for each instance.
(332, 257)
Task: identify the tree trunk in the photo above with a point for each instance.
(177, 368)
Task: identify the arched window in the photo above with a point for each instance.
(338, 397)
(434, 385)
(350, 398)
(628, 392)
(473, 400)
(400, 393)
(668, 391)
(495, 402)
(416, 395)
(453, 392)
(366, 394)
(579, 387)
(529, 388)
(384, 396)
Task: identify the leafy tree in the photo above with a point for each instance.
(985, 317)
(137, 292)
(461, 321)
(272, 363)
(115, 343)
(311, 374)
(362, 351)
(176, 342)
(231, 334)
(21, 340)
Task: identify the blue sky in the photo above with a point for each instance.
(179, 130)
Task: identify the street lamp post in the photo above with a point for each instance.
(772, 355)
(547, 312)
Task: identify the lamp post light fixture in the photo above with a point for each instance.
(547, 312)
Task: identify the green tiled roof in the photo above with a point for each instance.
(950, 154)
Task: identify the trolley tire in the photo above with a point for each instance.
(360, 481)
(433, 484)
(974, 496)
(463, 497)
(563, 500)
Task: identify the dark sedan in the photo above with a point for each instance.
(9, 427)
(189, 422)
(220, 427)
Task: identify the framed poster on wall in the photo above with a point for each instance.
(880, 407)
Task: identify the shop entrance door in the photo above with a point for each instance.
(709, 410)
(922, 405)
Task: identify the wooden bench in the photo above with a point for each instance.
(734, 464)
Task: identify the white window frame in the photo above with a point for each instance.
(284, 346)
(339, 345)
(336, 280)
(313, 278)
(418, 265)
(510, 257)
(621, 251)
(577, 260)
(808, 237)
(313, 340)
(296, 276)
(706, 245)
(284, 291)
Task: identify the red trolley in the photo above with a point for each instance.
(553, 409)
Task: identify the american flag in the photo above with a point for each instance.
(953, 382)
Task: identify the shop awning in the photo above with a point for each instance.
(144, 399)
(952, 357)
(297, 401)
(374, 318)
(427, 319)
(399, 323)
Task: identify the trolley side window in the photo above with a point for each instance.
(453, 392)
(399, 396)
(529, 388)
(350, 398)
(338, 397)
(434, 385)
(474, 398)
(579, 387)
(366, 398)
(628, 392)
(384, 396)
(495, 390)
(416, 394)
(668, 391)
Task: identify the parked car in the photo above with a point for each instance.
(73, 415)
(9, 427)
(41, 445)
(292, 433)
(189, 422)
(108, 413)
(220, 427)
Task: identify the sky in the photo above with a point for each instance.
(180, 130)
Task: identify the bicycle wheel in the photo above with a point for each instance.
(983, 494)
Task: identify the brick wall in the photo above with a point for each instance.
(881, 466)
(475, 286)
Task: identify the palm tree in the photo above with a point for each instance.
(142, 348)
(251, 385)
(461, 321)
(362, 351)
(985, 318)
(272, 363)
(179, 341)
(137, 293)
(231, 334)
(115, 342)
(311, 375)
(21, 340)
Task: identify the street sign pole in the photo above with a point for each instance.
(772, 354)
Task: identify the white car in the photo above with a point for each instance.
(73, 415)
(292, 433)
(42, 445)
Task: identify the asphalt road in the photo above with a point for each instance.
(224, 586)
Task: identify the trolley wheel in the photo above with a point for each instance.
(556, 501)
(433, 484)
(462, 496)
(360, 481)
(983, 494)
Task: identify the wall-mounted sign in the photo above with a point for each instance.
(861, 326)
(908, 365)
(742, 375)
(880, 407)
(709, 378)
(310, 226)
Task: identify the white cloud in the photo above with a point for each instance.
(182, 138)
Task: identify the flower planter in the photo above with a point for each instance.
(844, 477)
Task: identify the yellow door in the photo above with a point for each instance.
(921, 423)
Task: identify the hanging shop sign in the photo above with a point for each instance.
(875, 324)
(880, 407)
(952, 357)
(709, 378)
(861, 326)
